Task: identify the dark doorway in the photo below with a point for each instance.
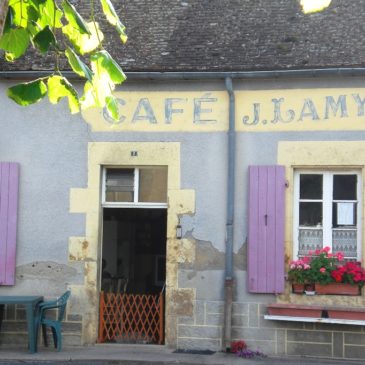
(134, 250)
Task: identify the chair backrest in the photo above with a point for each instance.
(61, 303)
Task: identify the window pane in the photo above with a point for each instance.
(310, 240)
(311, 186)
(344, 214)
(310, 214)
(119, 185)
(153, 185)
(345, 241)
(344, 187)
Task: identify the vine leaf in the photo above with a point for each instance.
(14, 42)
(77, 65)
(74, 19)
(45, 39)
(103, 63)
(50, 14)
(84, 43)
(112, 107)
(28, 93)
(113, 19)
(58, 88)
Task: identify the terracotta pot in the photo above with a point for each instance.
(347, 313)
(294, 310)
(298, 288)
(337, 289)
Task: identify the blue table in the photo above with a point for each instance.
(31, 307)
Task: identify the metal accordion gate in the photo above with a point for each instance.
(131, 318)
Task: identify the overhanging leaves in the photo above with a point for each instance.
(28, 93)
(102, 62)
(45, 39)
(58, 88)
(74, 18)
(49, 14)
(14, 43)
(113, 19)
(84, 43)
(34, 22)
(77, 65)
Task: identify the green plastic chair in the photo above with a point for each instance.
(55, 324)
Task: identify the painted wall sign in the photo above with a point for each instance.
(256, 111)
(165, 112)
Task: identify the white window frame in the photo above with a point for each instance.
(135, 203)
(327, 206)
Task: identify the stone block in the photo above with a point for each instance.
(14, 326)
(9, 312)
(213, 319)
(336, 327)
(313, 349)
(309, 336)
(280, 342)
(199, 312)
(354, 352)
(199, 344)
(266, 347)
(199, 331)
(239, 308)
(354, 339)
(258, 334)
(74, 318)
(215, 307)
(71, 327)
(20, 313)
(71, 340)
(253, 315)
(185, 320)
(240, 321)
(20, 339)
(338, 344)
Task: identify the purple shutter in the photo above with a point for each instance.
(9, 181)
(266, 229)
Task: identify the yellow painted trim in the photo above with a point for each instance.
(318, 155)
(88, 201)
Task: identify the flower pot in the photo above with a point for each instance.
(294, 310)
(347, 313)
(337, 289)
(298, 288)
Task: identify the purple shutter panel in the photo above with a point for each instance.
(266, 229)
(9, 181)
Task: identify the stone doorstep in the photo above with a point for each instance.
(315, 311)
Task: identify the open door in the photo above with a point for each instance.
(133, 275)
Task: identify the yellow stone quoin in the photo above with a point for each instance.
(273, 110)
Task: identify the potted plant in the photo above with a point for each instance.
(325, 270)
(298, 274)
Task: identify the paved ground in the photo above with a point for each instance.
(115, 354)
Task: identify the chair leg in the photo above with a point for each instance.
(59, 337)
(44, 333)
(54, 333)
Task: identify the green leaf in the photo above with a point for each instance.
(9, 21)
(112, 107)
(103, 63)
(45, 39)
(14, 43)
(77, 65)
(84, 43)
(28, 93)
(74, 18)
(113, 19)
(50, 14)
(20, 12)
(58, 88)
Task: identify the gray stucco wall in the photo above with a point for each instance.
(51, 147)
